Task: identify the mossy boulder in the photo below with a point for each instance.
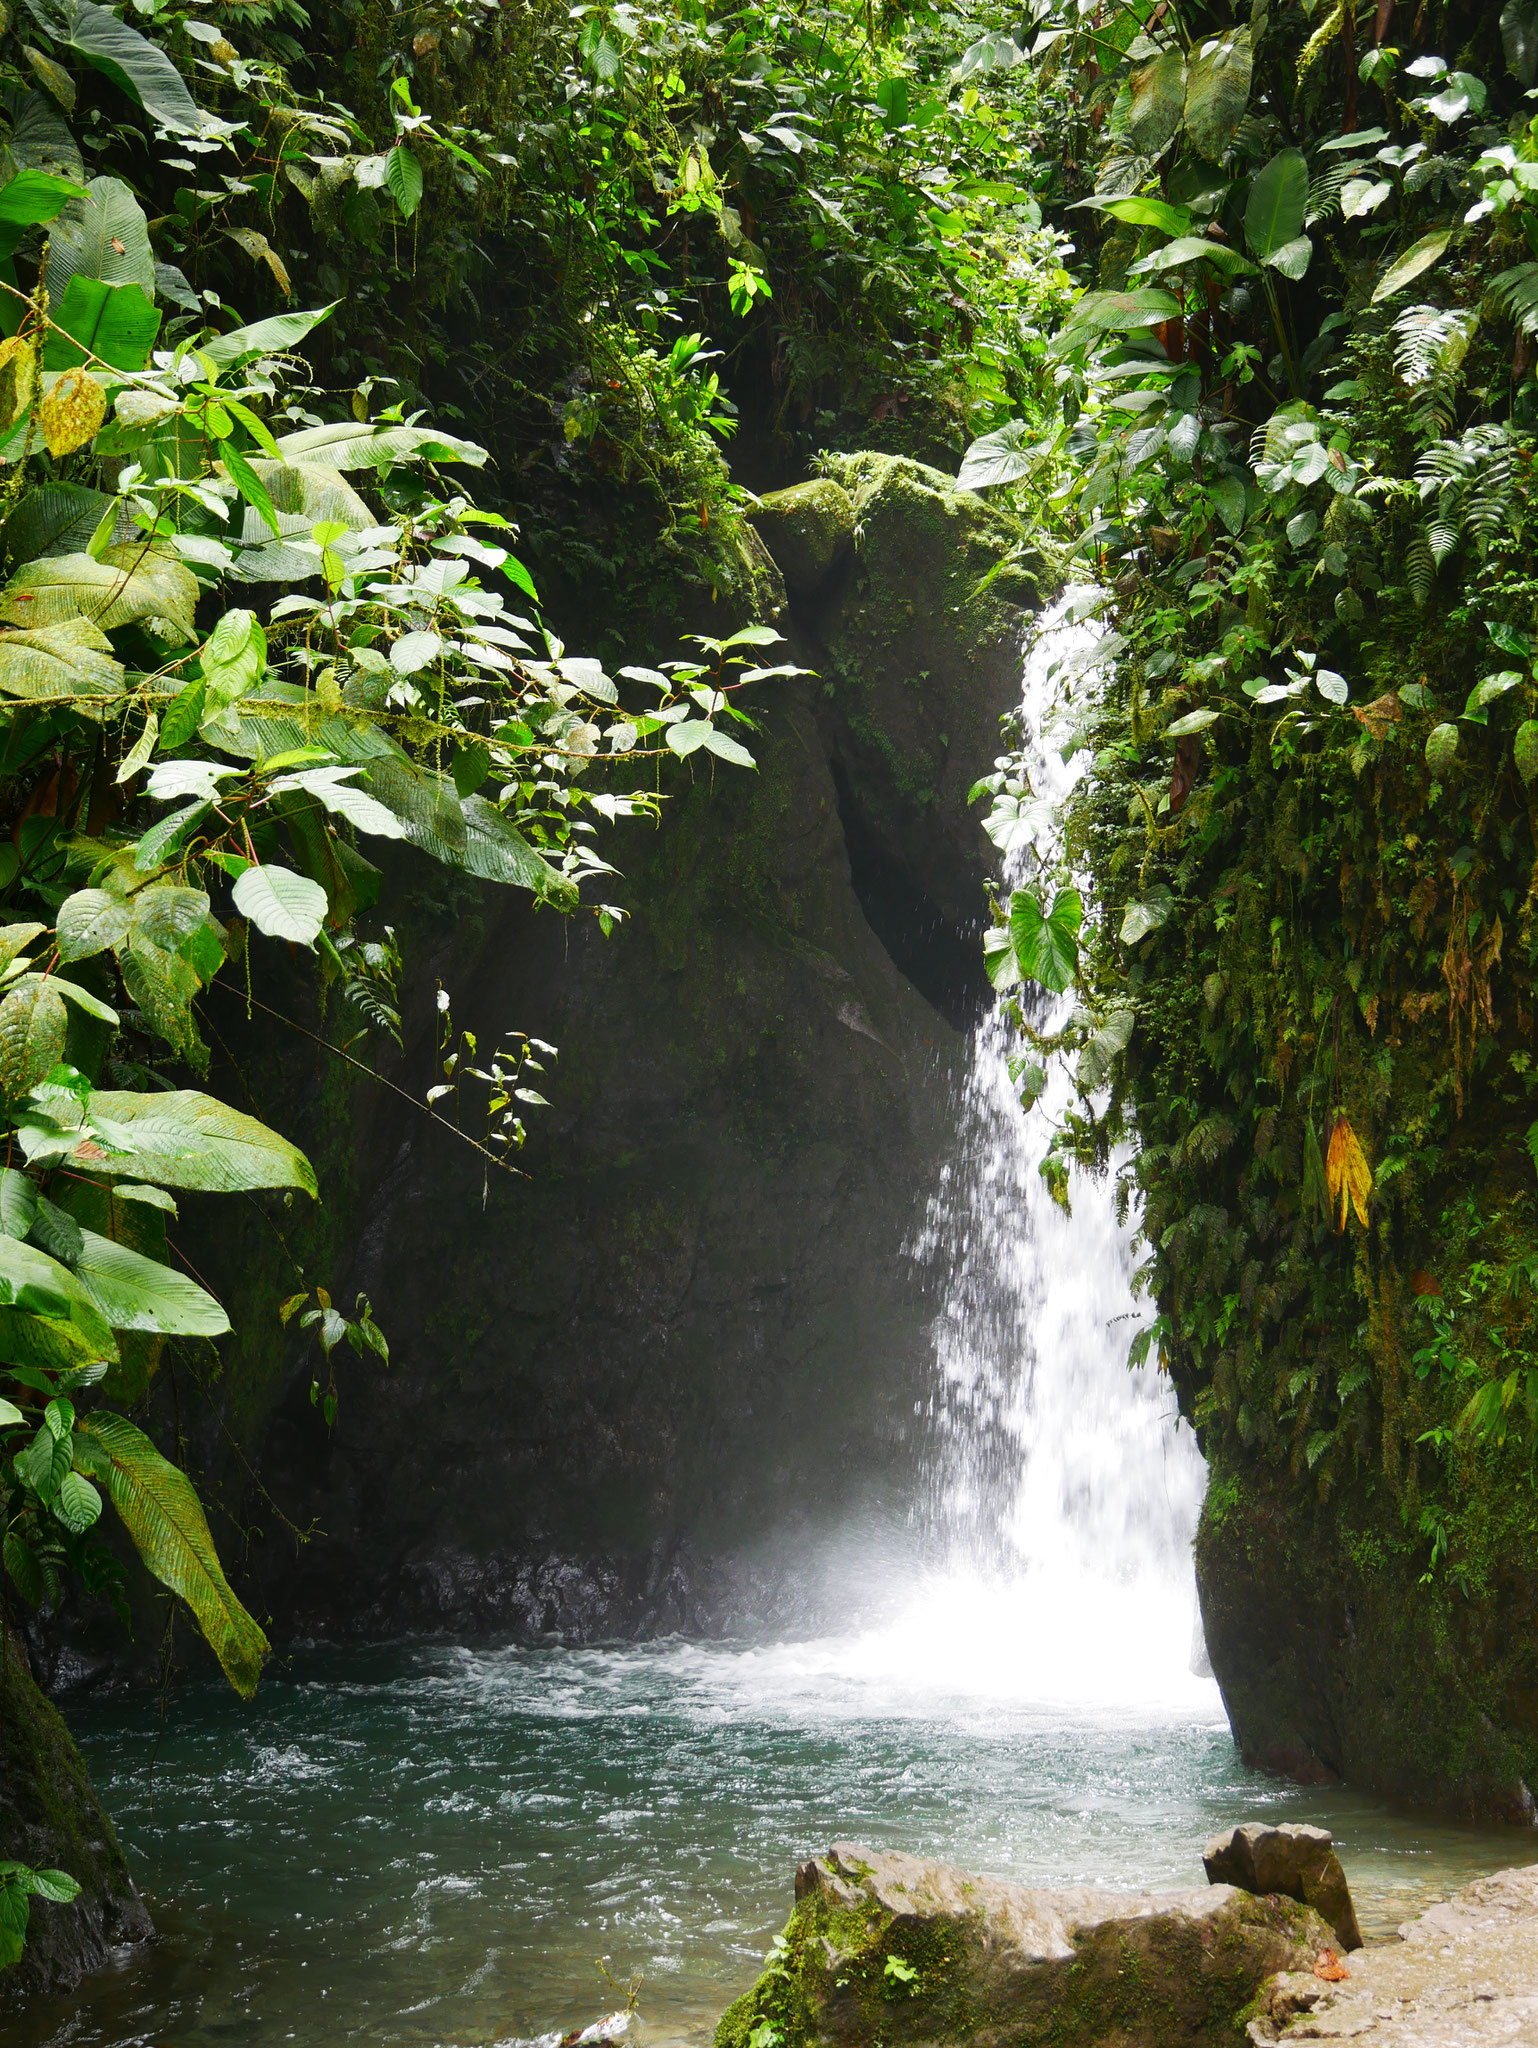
(808, 530)
(50, 1819)
(889, 1948)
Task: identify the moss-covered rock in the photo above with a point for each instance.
(891, 1949)
(807, 529)
(50, 1819)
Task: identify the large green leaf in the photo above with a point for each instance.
(165, 1519)
(403, 177)
(1116, 313)
(136, 1293)
(123, 55)
(105, 238)
(1104, 1048)
(1193, 249)
(1002, 457)
(281, 904)
(66, 663)
(263, 337)
(33, 1026)
(129, 583)
(470, 834)
(342, 445)
(38, 1287)
(303, 494)
(89, 922)
(1406, 268)
(1141, 210)
(1218, 89)
(171, 948)
(116, 323)
(40, 136)
(29, 199)
(1158, 91)
(1046, 944)
(1278, 201)
(1139, 919)
(187, 1140)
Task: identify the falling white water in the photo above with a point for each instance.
(1066, 1491)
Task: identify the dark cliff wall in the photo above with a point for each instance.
(636, 1390)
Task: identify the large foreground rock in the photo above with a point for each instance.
(1464, 1975)
(889, 1948)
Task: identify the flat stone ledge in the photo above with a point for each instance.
(1464, 1975)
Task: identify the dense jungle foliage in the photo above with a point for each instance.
(337, 340)
(1295, 446)
(266, 601)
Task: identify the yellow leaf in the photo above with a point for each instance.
(72, 412)
(18, 378)
(1347, 1175)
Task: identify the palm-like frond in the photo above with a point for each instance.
(162, 1514)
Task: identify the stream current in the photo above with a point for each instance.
(424, 1846)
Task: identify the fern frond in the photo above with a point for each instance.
(1515, 293)
(1420, 569)
(1442, 536)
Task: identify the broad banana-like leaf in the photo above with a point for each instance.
(1278, 201)
(263, 337)
(37, 1286)
(470, 833)
(66, 663)
(1158, 101)
(54, 519)
(116, 323)
(303, 494)
(164, 1517)
(188, 1140)
(344, 445)
(1218, 89)
(128, 583)
(105, 236)
(40, 136)
(130, 61)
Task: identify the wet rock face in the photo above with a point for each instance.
(889, 1948)
(1337, 1660)
(1294, 1861)
(649, 1385)
(50, 1819)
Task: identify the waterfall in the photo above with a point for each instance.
(1064, 1491)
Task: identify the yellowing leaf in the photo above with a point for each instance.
(1347, 1175)
(72, 412)
(18, 378)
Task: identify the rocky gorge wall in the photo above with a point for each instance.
(640, 1388)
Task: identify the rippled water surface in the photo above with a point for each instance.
(433, 1846)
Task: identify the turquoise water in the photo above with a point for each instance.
(431, 1846)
